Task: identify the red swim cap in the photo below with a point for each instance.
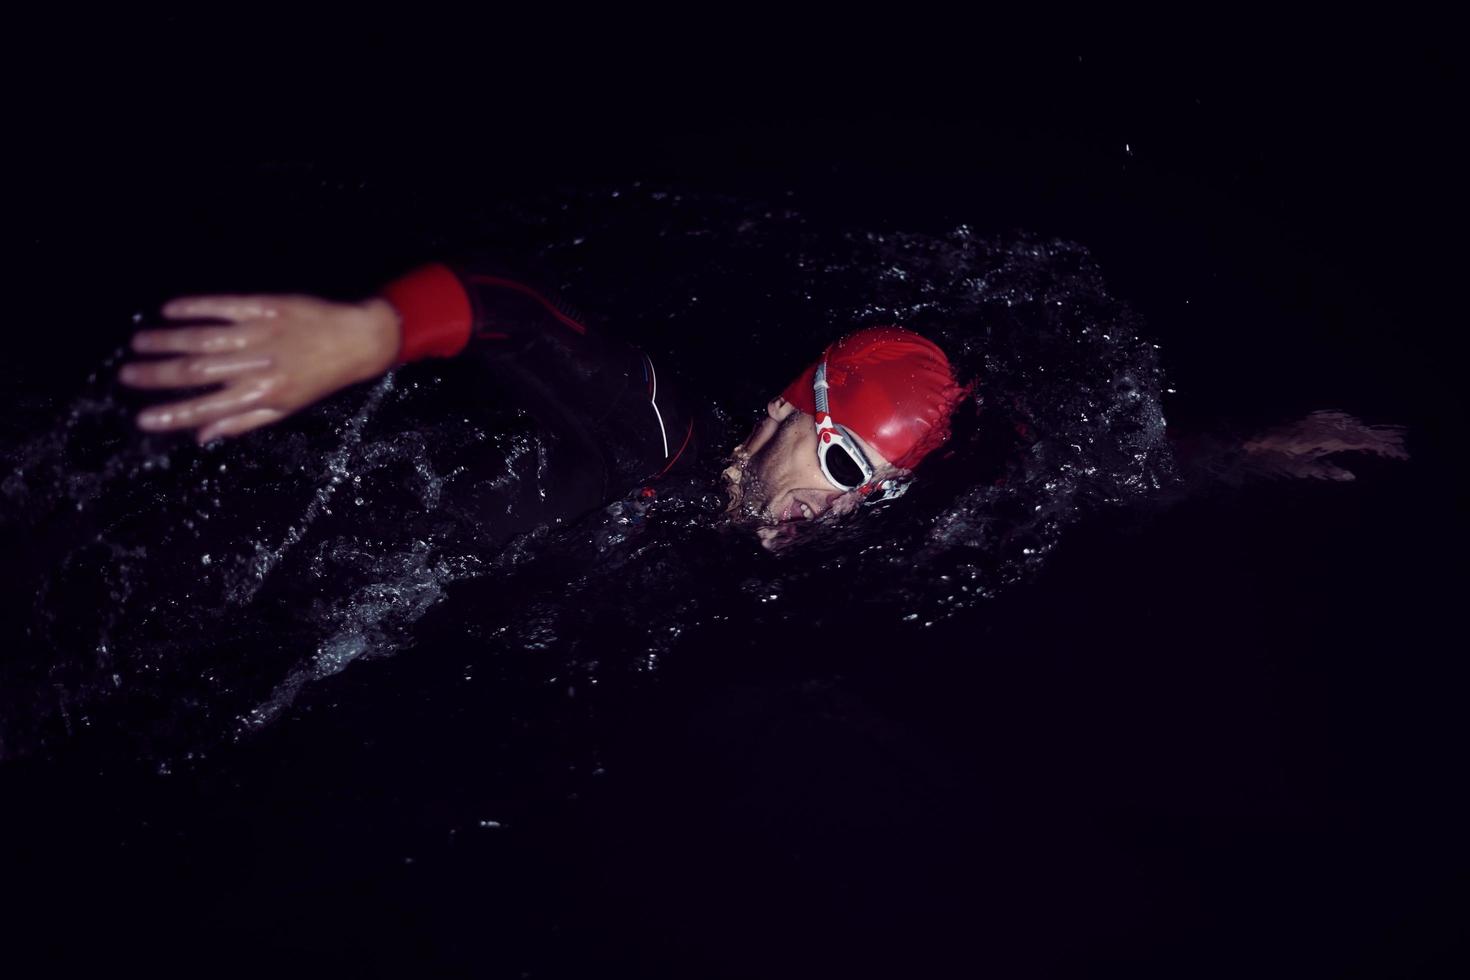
(889, 385)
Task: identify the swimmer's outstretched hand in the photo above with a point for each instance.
(1300, 448)
(273, 356)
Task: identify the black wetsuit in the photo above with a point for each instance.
(610, 420)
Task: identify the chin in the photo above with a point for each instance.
(734, 494)
(740, 509)
(748, 503)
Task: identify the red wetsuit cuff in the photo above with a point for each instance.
(434, 311)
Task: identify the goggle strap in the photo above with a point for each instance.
(871, 492)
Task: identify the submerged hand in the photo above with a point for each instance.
(277, 355)
(1297, 448)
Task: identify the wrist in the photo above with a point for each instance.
(381, 336)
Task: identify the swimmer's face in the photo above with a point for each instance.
(774, 478)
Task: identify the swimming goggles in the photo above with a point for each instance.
(843, 463)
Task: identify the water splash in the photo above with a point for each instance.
(193, 594)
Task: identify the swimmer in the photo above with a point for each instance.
(850, 430)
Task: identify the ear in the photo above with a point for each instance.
(780, 409)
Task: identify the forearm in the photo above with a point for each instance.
(1303, 449)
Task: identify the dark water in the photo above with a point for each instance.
(1051, 716)
(290, 555)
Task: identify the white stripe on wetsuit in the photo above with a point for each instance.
(653, 400)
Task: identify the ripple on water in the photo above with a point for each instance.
(189, 594)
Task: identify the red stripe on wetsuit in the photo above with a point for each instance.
(436, 317)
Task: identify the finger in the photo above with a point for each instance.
(1326, 471)
(185, 372)
(201, 340)
(1387, 449)
(207, 408)
(238, 424)
(235, 308)
(1390, 441)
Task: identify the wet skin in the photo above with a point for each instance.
(271, 355)
(775, 481)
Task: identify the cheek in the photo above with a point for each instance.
(792, 458)
(759, 436)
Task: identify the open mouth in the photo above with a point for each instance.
(796, 510)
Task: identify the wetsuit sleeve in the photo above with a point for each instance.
(602, 400)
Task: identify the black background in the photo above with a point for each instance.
(1234, 742)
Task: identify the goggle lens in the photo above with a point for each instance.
(844, 470)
